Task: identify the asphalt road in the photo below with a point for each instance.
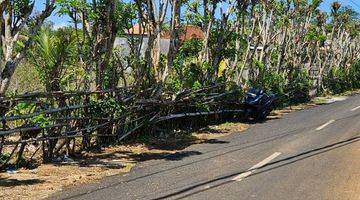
(309, 154)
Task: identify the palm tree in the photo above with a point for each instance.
(53, 52)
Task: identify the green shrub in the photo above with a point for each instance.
(354, 75)
(25, 79)
(24, 108)
(269, 80)
(337, 81)
(294, 91)
(173, 83)
(299, 86)
(105, 107)
(343, 79)
(191, 48)
(187, 70)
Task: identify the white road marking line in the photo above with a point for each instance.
(241, 176)
(355, 108)
(325, 125)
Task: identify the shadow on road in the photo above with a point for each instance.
(265, 140)
(166, 156)
(248, 145)
(189, 191)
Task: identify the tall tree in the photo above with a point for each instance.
(153, 13)
(98, 24)
(174, 35)
(16, 19)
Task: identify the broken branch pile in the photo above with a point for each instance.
(52, 124)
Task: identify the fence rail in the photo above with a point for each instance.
(56, 119)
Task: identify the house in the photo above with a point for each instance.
(187, 32)
(137, 30)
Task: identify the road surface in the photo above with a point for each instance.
(308, 154)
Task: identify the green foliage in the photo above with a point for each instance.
(41, 120)
(291, 88)
(188, 71)
(354, 75)
(54, 53)
(25, 79)
(105, 107)
(201, 107)
(299, 86)
(190, 48)
(126, 16)
(22, 7)
(339, 80)
(189, 74)
(174, 84)
(269, 80)
(197, 85)
(24, 108)
(68, 6)
(348, 13)
(192, 15)
(315, 34)
(222, 42)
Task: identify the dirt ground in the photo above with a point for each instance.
(39, 183)
(48, 178)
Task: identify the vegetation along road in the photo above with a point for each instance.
(308, 154)
(94, 89)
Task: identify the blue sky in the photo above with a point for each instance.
(62, 21)
(355, 4)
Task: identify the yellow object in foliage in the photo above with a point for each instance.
(222, 68)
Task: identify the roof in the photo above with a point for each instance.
(191, 31)
(137, 30)
(187, 32)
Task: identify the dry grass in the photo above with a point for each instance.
(216, 131)
(50, 178)
(276, 114)
(39, 183)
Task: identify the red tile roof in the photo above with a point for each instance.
(137, 30)
(191, 31)
(187, 32)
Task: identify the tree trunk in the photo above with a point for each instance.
(174, 37)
